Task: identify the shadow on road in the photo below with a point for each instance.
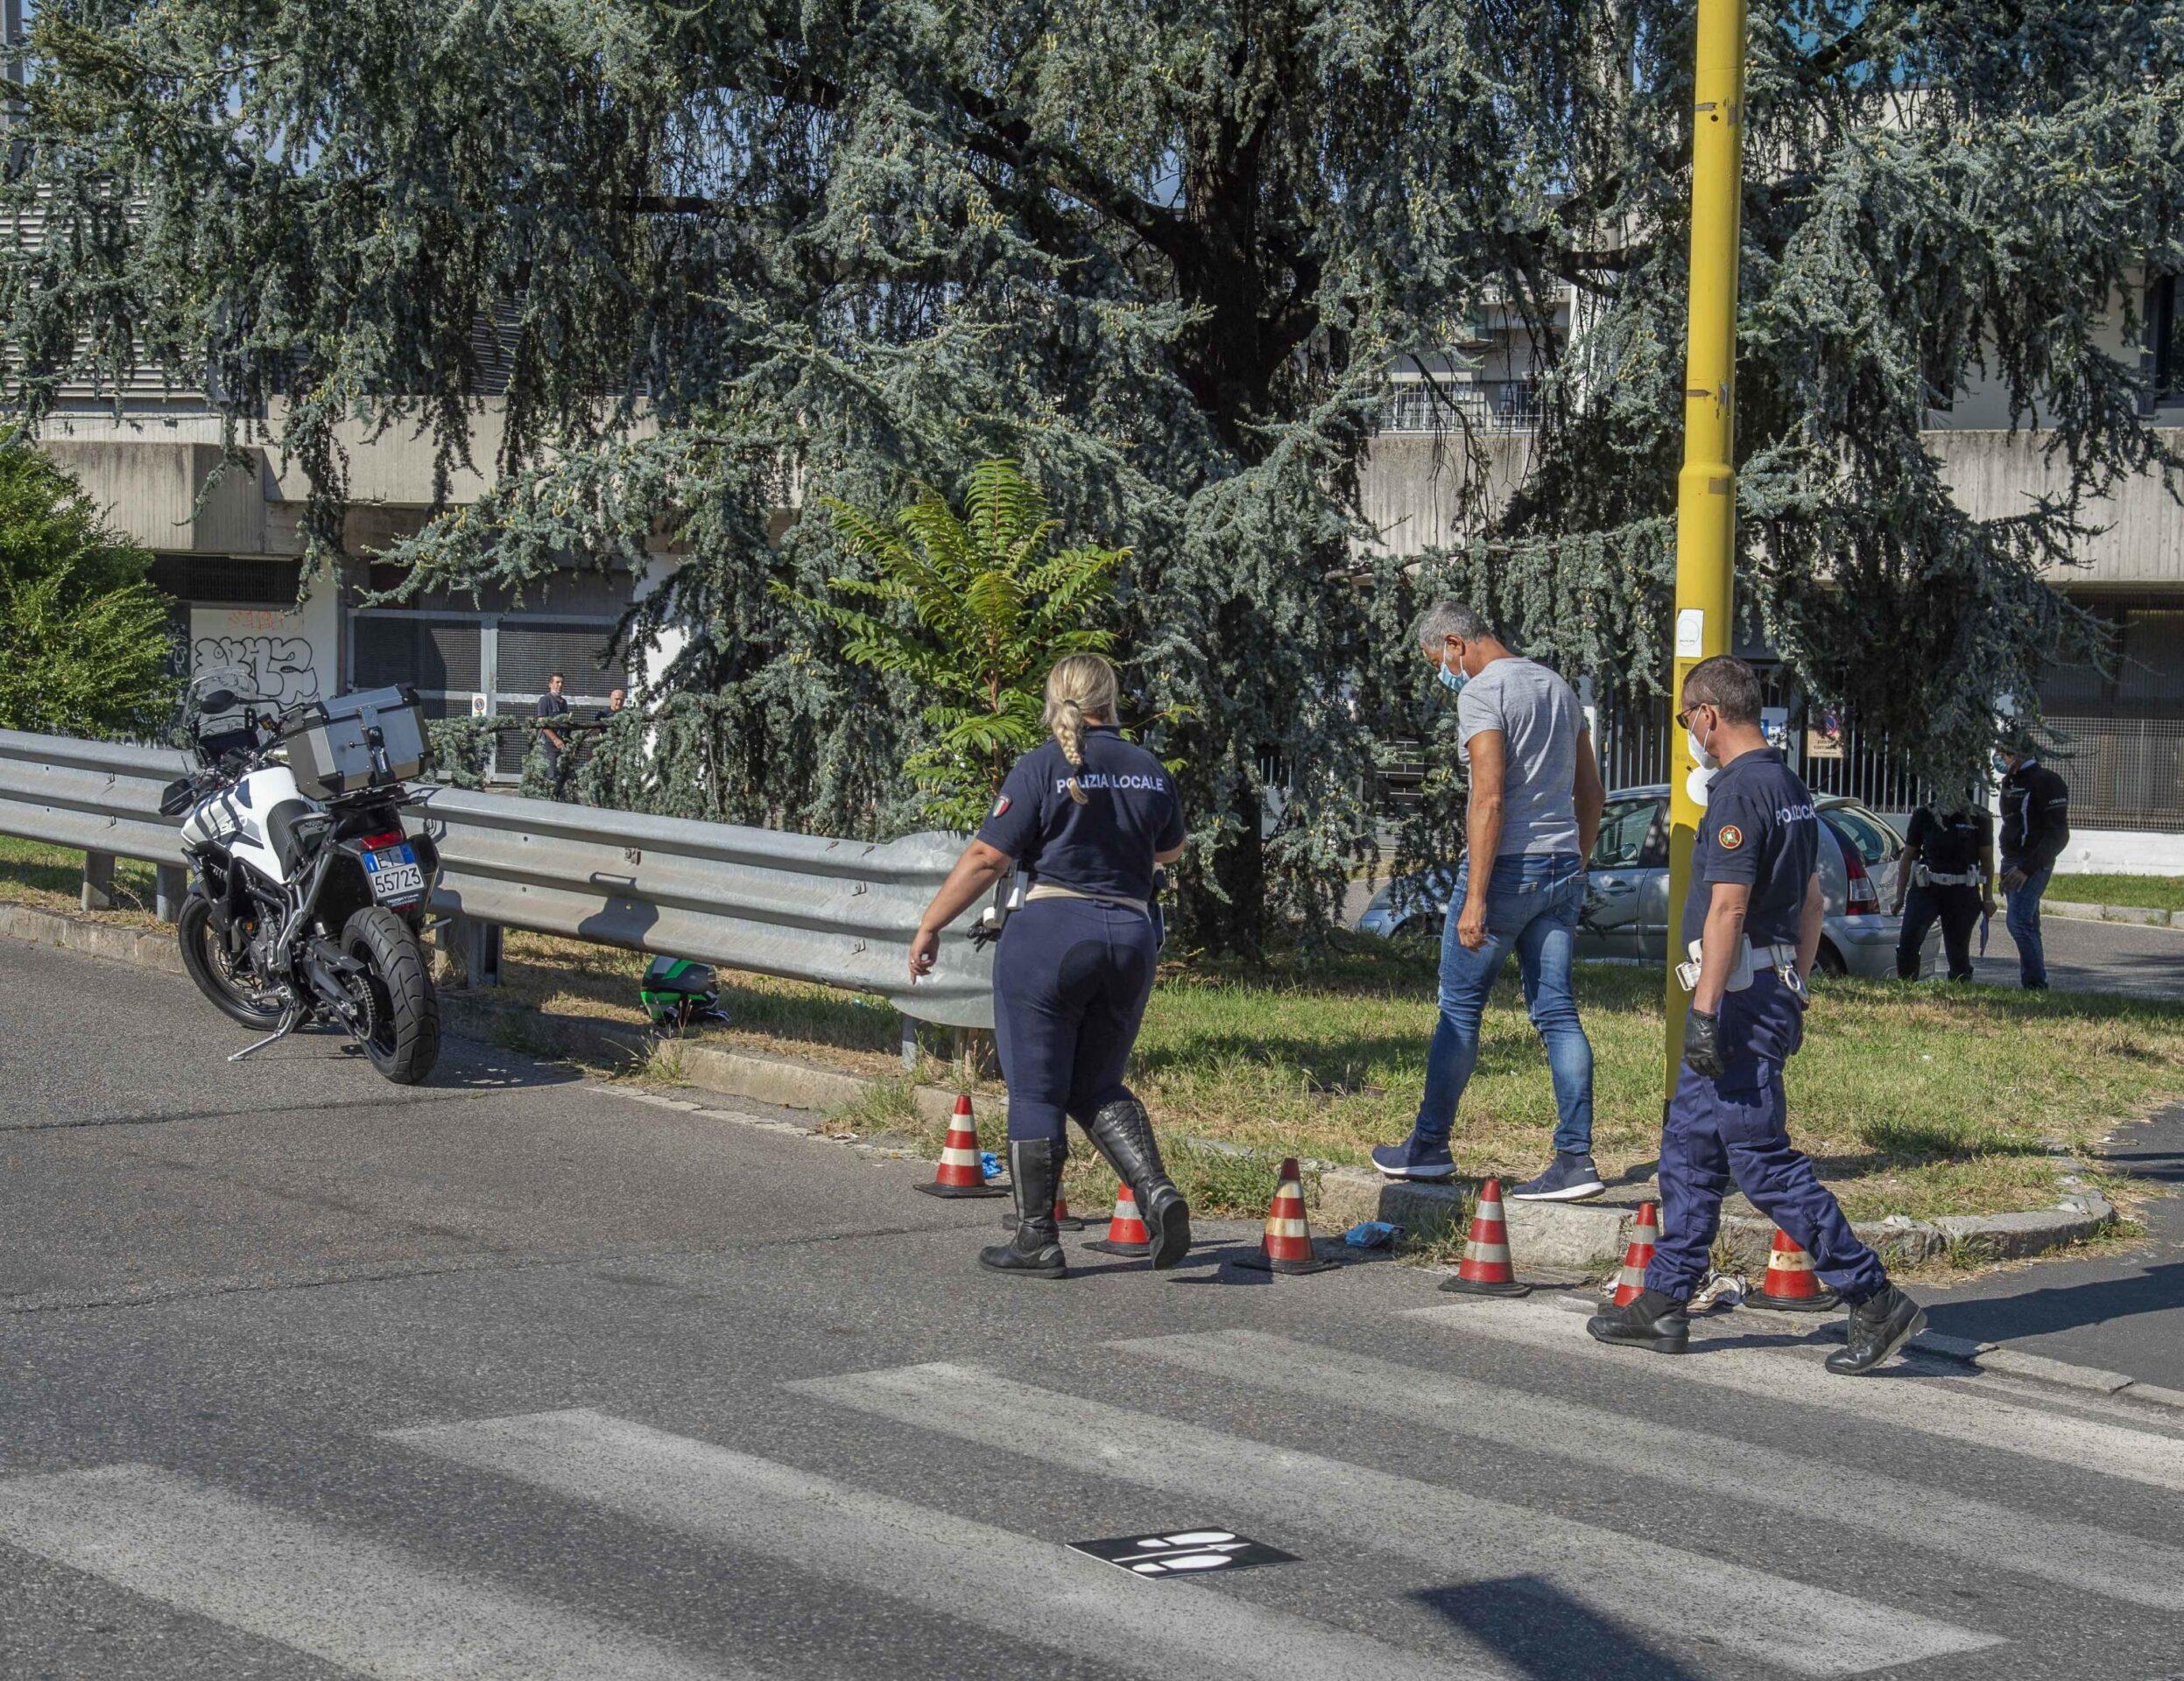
(2036, 1312)
(2067, 1295)
(1540, 1631)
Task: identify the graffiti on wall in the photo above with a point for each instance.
(280, 668)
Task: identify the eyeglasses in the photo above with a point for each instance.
(1683, 718)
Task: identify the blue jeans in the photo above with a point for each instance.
(2022, 919)
(1532, 906)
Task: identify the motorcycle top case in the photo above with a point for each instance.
(372, 738)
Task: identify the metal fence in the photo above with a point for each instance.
(1452, 406)
(804, 907)
(2125, 773)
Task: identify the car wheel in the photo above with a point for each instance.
(1418, 928)
(1830, 962)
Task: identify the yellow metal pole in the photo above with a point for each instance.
(1706, 494)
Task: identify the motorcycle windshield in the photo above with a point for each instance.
(215, 690)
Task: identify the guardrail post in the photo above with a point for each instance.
(478, 944)
(98, 881)
(910, 1044)
(171, 886)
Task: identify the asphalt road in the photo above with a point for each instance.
(522, 1377)
(2120, 1312)
(2084, 956)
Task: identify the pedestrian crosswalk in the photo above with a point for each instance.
(962, 1568)
(868, 1526)
(350, 1600)
(1683, 1461)
(1630, 1580)
(1943, 1405)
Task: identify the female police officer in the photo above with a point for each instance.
(1089, 816)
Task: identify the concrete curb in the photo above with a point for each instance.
(2137, 914)
(149, 948)
(1541, 1234)
(1595, 1234)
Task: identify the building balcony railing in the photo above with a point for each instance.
(1483, 405)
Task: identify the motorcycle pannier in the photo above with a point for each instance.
(371, 739)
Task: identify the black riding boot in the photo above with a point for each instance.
(1124, 1133)
(1648, 1319)
(1036, 1249)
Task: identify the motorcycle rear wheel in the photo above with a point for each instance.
(207, 965)
(404, 1044)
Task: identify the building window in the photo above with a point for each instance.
(2164, 331)
(222, 580)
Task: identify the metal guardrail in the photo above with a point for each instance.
(801, 907)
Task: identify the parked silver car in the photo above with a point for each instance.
(1627, 890)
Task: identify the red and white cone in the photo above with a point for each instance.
(1126, 1233)
(1285, 1243)
(1485, 1269)
(1647, 1233)
(961, 1173)
(1791, 1286)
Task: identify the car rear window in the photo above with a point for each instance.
(1875, 841)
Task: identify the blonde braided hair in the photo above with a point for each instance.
(1080, 686)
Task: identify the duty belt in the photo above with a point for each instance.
(1056, 891)
(1781, 957)
(1927, 878)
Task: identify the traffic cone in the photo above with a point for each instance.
(1126, 1233)
(1287, 1244)
(1790, 1286)
(1485, 1269)
(1632, 1280)
(961, 1173)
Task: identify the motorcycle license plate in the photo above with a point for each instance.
(395, 875)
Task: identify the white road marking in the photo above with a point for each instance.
(1965, 1410)
(1018, 1584)
(348, 1601)
(2099, 1561)
(1685, 1596)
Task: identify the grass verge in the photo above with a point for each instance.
(2148, 892)
(52, 879)
(1922, 1101)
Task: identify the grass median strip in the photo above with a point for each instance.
(2144, 892)
(1925, 1101)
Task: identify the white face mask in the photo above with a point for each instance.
(1699, 754)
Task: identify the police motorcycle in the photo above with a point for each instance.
(307, 899)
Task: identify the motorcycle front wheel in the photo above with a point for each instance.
(204, 955)
(404, 1042)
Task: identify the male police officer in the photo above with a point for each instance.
(1947, 873)
(2035, 829)
(1753, 925)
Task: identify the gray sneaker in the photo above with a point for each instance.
(1568, 1178)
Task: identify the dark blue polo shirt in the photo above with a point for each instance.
(1105, 845)
(1759, 829)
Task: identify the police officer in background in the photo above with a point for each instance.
(2035, 829)
(1087, 817)
(1752, 923)
(1947, 874)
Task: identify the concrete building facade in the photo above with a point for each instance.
(2121, 728)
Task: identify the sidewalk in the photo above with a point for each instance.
(2121, 1312)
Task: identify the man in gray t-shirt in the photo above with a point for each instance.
(1537, 716)
(1533, 814)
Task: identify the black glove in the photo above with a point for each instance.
(1703, 1043)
